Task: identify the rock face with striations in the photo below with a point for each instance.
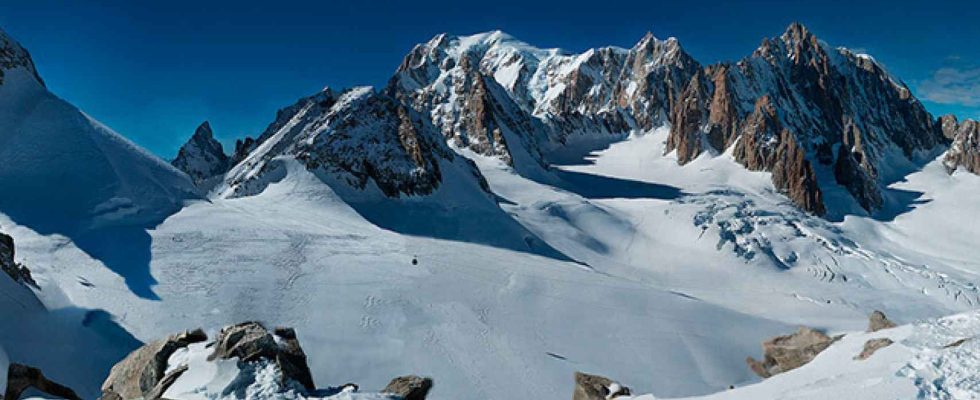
(784, 353)
(202, 157)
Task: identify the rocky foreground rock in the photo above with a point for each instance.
(788, 352)
(267, 365)
(595, 387)
(143, 373)
(21, 378)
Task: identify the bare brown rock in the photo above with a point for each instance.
(785, 353)
(20, 378)
(766, 146)
(409, 387)
(143, 371)
(878, 321)
(723, 116)
(250, 341)
(595, 387)
(686, 121)
(871, 346)
(964, 151)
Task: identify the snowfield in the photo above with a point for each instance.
(671, 291)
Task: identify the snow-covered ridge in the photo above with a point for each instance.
(64, 171)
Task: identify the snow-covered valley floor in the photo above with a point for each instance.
(679, 274)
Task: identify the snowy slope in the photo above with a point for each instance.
(63, 171)
(481, 320)
(918, 365)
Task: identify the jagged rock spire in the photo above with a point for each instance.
(202, 157)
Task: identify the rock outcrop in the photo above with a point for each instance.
(785, 353)
(19, 273)
(964, 152)
(871, 346)
(21, 378)
(595, 387)
(409, 387)
(202, 157)
(143, 372)
(264, 364)
(878, 321)
(250, 341)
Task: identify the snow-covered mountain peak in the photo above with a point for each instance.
(657, 52)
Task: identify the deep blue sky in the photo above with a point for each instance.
(154, 70)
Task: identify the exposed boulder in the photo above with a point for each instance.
(878, 321)
(595, 387)
(411, 387)
(871, 346)
(20, 378)
(143, 372)
(784, 353)
(250, 341)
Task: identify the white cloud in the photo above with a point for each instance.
(950, 85)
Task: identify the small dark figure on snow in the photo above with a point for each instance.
(415, 261)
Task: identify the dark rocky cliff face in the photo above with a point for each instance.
(361, 137)
(202, 157)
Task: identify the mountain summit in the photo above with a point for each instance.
(817, 117)
(202, 157)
